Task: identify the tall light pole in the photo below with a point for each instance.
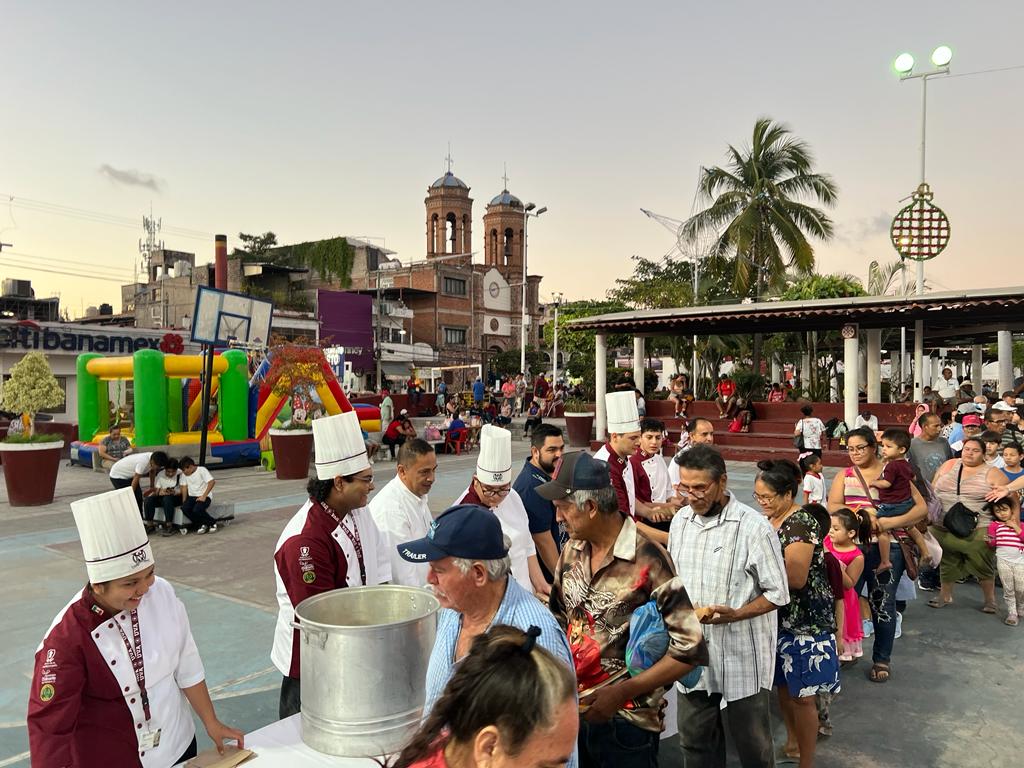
(554, 357)
(904, 65)
(524, 319)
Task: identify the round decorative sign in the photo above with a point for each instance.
(494, 324)
(920, 231)
(849, 331)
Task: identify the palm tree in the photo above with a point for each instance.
(756, 210)
(757, 214)
(883, 279)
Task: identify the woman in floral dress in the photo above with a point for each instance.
(807, 663)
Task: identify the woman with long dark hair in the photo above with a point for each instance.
(509, 703)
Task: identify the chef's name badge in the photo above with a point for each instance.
(149, 739)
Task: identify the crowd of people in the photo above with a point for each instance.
(589, 602)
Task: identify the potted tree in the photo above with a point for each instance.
(31, 460)
(294, 370)
(579, 421)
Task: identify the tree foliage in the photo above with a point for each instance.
(32, 386)
(507, 363)
(756, 210)
(255, 246)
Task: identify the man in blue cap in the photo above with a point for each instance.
(469, 574)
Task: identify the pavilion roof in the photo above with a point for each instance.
(950, 318)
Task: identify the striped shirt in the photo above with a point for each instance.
(1001, 536)
(731, 559)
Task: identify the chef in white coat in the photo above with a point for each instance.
(491, 487)
(330, 543)
(117, 675)
(402, 512)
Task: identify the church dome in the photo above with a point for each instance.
(449, 180)
(506, 198)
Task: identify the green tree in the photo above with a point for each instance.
(757, 211)
(255, 246)
(31, 388)
(578, 346)
(507, 363)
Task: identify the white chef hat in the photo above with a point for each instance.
(340, 449)
(114, 540)
(494, 465)
(623, 416)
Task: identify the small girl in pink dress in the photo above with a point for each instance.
(846, 528)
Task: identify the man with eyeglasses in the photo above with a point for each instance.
(491, 488)
(330, 543)
(999, 419)
(730, 560)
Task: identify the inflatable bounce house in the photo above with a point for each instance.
(168, 404)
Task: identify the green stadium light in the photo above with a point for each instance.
(904, 63)
(942, 55)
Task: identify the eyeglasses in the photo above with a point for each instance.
(764, 499)
(857, 448)
(495, 493)
(697, 491)
(363, 478)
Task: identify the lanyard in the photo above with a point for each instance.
(353, 536)
(134, 648)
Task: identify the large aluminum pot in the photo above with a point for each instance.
(364, 654)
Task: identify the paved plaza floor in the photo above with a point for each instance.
(956, 690)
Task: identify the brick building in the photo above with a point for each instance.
(465, 311)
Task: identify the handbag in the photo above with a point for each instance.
(959, 520)
(798, 440)
(910, 564)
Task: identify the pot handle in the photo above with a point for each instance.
(311, 635)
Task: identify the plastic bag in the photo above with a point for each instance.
(648, 642)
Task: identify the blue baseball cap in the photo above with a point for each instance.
(465, 530)
(576, 471)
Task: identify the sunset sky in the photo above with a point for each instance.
(316, 119)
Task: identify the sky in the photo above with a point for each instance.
(317, 119)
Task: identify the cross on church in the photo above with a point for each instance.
(505, 176)
(448, 157)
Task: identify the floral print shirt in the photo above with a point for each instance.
(595, 609)
(811, 610)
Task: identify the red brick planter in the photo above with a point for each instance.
(293, 449)
(30, 472)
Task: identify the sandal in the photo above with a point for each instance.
(879, 672)
(1011, 621)
(938, 602)
(988, 608)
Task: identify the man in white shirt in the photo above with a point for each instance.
(946, 388)
(197, 495)
(729, 558)
(130, 470)
(401, 511)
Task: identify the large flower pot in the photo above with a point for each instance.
(579, 426)
(30, 472)
(293, 449)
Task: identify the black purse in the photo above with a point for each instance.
(959, 520)
(798, 440)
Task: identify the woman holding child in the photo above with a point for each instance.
(967, 480)
(853, 489)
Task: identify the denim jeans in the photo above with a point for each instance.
(617, 744)
(882, 598)
(195, 511)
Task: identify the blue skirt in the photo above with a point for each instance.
(807, 664)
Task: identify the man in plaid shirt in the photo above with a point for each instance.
(729, 557)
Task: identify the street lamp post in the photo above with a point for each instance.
(524, 319)
(904, 65)
(554, 356)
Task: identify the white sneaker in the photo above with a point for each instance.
(213, 528)
(202, 529)
(183, 531)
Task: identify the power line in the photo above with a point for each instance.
(96, 217)
(35, 268)
(105, 268)
(985, 71)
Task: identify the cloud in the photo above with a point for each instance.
(131, 178)
(860, 232)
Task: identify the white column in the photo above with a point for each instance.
(918, 359)
(1004, 344)
(776, 370)
(600, 386)
(638, 362)
(805, 369)
(936, 372)
(874, 366)
(977, 363)
(851, 356)
(959, 369)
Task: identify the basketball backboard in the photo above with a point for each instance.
(223, 317)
